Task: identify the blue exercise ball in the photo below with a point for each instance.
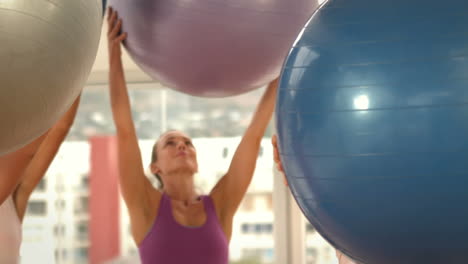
(372, 121)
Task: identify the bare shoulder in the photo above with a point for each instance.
(142, 217)
(225, 217)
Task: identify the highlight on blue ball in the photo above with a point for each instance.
(372, 121)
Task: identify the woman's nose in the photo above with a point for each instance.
(181, 145)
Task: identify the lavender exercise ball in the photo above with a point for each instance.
(212, 48)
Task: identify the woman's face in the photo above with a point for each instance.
(176, 154)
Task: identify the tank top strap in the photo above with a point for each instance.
(164, 204)
(210, 209)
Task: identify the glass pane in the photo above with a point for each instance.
(37, 208)
(62, 235)
(318, 251)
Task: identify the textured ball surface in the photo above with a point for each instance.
(47, 50)
(372, 120)
(212, 48)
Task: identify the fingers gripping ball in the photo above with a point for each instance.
(212, 48)
(46, 53)
(372, 121)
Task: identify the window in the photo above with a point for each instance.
(37, 208)
(309, 228)
(257, 255)
(60, 255)
(85, 182)
(81, 253)
(257, 228)
(59, 230)
(81, 205)
(59, 187)
(311, 256)
(82, 231)
(317, 250)
(60, 204)
(245, 228)
(133, 252)
(41, 186)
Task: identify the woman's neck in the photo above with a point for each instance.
(181, 189)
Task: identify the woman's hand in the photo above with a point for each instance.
(277, 159)
(114, 35)
(276, 156)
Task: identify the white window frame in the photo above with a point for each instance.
(289, 225)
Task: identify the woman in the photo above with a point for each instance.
(28, 164)
(342, 259)
(175, 224)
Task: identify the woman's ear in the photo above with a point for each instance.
(154, 169)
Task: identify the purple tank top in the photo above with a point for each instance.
(169, 242)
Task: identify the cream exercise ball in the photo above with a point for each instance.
(47, 50)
